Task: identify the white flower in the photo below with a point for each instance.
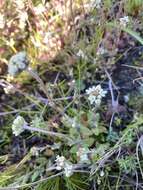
(95, 94)
(63, 164)
(18, 125)
(126, 98)
(60, 162)
(70, 121)
(81, 54)
(23, 17)
(47, 37)
(2, 21)
(39, 9)
(101, 51)
(17, 63)
(68, 169)
(97, 4)
(84, 158)
(102, 173)
(124, 21)
(34, 151)
(82, 153)
(9, 89)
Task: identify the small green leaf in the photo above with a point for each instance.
(85, 131)
(74, 149)
(89, 141)
(35, 176)
(99, 130)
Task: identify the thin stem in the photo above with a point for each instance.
(46, 132)
(38, 79)
(31, 184)
(137, 154)
(112, 94)
(111, 121)
(115, 102)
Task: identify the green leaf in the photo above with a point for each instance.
(89, 142)
(99, 130)
(73, 132)
(93, 119)
(79, 84)
(35, 176)
(85, 131)
(74, 149)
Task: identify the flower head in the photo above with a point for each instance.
(63, 164)
(34, 151)
(18, 125)
(102, 173)
(81, 54)
(2, 21)
(124, 21)
(95, 94)
(68, 169)
(17, 63)
(60, 161)
(82, 153)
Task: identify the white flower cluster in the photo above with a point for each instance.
(17, 63)
(62, 163)
(68, 169)
(124, 21)
(95, 94)
(7, 87)
(82, 153)
(17, 126)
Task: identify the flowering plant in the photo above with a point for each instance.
(17, 63)
(18, 125)
(95, 94)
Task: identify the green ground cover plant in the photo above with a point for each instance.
(71, 94)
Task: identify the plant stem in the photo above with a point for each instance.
(47, 132)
